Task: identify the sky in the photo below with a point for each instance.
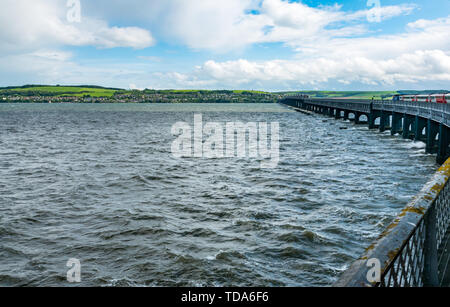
(271, 45)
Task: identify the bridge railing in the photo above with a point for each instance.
(414, 251)
(344, 104)
(439, 112)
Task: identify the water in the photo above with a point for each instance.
(98, 183)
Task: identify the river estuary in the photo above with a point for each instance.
(99, 183)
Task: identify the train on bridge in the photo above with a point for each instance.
(433, 98)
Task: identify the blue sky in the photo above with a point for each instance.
(233, 44)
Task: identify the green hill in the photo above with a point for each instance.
(48, 90)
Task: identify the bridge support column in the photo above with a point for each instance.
(372, 118)
(396, 123)
(331, 113)
(420, 124)
(338, 114)
(444, 141)
(384, 121)
(432, 132)
(346, 113)
(357, 115)
(407, 122)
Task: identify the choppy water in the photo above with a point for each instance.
(98, 183)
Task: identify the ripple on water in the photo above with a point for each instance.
(98, 183)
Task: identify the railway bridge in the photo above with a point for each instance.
(414, 251)
(420, 121)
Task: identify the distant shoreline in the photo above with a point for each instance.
(96, 103)
(45, 94)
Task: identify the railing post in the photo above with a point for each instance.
(430, 270)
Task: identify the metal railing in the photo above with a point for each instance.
(415, 249)
(439, 112)
(344, 104)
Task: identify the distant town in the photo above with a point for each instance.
(96, 94)
(63, 94)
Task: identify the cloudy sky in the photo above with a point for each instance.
(224, 44)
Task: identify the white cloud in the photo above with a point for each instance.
(34, 32)
(420, 55)
(429, 65)
(222, 26)
(204, 24)
(26, 25)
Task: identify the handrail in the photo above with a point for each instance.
(439, 112)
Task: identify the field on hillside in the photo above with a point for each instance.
(96, 91)
(61, 91)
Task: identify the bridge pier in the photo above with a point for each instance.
(444, 141)
(372, 119)
(384, 121)
(396, 123)
(408, 126)
(357, 116)
(432, 132)
(338, 114)
(346, 114)
(330, 112)
(420, 124)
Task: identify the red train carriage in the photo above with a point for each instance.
(434, 98)
(439, 98)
